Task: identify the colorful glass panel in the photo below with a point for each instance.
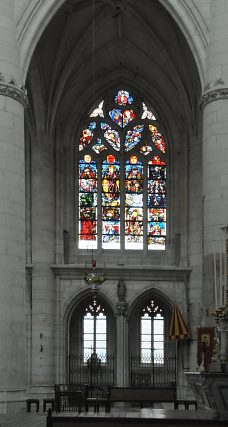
(122, 118)
(156, 185)
(157, 138)
(133, 212)
(99, 146)
(123, 97)
(111, 203)
(87, 136)
(87, 203)
(111, 136)
(145, 149)
(133, 137)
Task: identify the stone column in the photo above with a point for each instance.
(121, 345)
(43, 255)
(214, 103)
(12, 215)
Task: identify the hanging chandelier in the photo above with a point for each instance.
(94, 279)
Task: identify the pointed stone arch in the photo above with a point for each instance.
(35, 15)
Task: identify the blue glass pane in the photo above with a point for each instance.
(133, 171)
(156, 200)
(122, 118)
(110, 241)
(156, 228)
(111, 136)
(87, 170)
(133, 137)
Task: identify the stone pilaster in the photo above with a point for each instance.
(12, 215)
(121, 344)
(214, 103)
(43, 250)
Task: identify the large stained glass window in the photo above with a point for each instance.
(122, 177)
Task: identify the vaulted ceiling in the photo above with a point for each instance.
(91, 46)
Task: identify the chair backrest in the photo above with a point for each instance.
(96, 390)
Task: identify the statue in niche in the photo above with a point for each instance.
(121, 290)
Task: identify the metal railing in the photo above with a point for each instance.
(95, 370)
(155, 372)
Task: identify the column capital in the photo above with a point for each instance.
(10, 88)
(213, 95)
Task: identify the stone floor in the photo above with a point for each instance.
(34, 419)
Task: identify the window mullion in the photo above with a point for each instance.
(122, 193)
(145, 209)
(99, 205)
(94, 333)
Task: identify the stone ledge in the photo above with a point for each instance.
(169, 273)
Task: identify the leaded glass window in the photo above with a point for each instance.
(152, 334)
(122, 177)
(94, 330)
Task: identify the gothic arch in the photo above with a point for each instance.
(34, 17)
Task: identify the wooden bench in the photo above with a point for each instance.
(147, 395)
(142, 395)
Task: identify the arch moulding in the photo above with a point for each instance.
(35, 15)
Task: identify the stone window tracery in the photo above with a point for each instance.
(122, 177)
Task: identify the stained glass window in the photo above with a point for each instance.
(122, 176)
(111, 203)
(87, 203)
